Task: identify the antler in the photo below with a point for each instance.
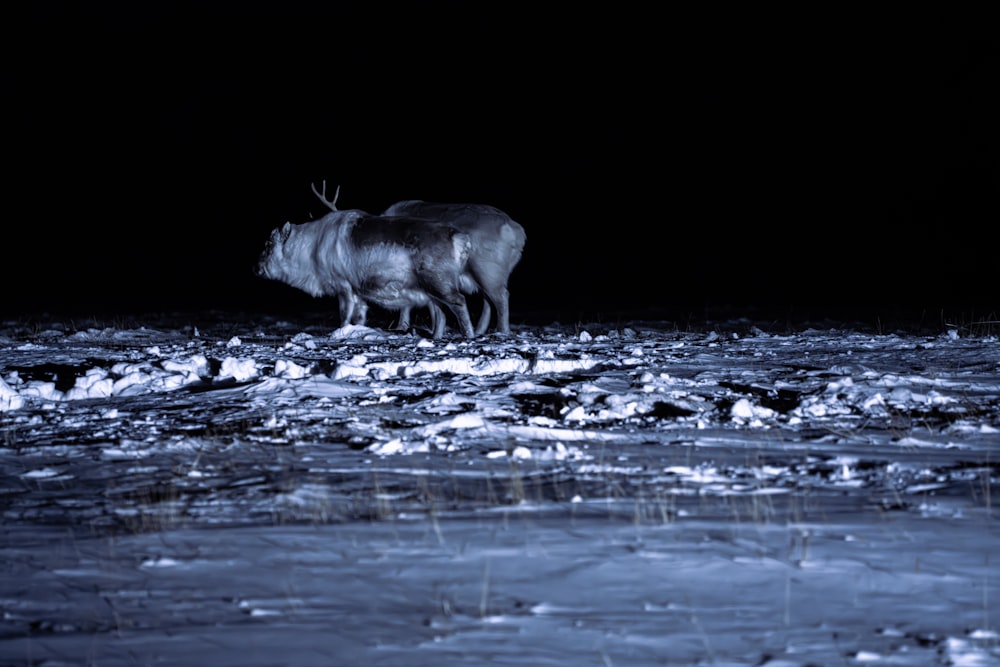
(322, 197)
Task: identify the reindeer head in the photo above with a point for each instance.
(272, 258)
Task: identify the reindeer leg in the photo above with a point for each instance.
(347, 302)
(437, 320)
(459, 306)
(484, 318)
(503, 311)
(404, 319)
(360, 312)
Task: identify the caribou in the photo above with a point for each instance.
(396, 262)
(497, 245)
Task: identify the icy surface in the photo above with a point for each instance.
(261, 492)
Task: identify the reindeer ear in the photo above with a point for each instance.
(286, 229)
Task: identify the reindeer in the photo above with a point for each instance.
(497, 245)
(397, 262)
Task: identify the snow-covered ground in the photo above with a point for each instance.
(226, 490)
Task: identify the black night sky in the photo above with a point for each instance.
(657, 161)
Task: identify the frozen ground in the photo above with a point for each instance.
(226, 490)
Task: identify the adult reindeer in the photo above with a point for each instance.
(497, 244)
(397, 263)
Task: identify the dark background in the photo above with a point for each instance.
(799, 167)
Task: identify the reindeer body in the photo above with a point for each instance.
(396, 262)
